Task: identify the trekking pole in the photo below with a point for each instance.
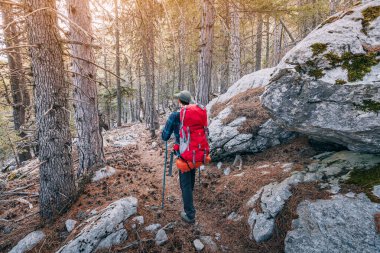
(163, 180)
(171, 164)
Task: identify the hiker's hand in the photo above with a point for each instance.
(176, 147)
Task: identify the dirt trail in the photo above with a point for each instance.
(139, 174)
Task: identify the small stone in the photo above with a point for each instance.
(7, 230)
(219, 165)
(202, 167)
(103, 173)
(376, 191)
(227, 171)
(154, 144)
(93, 212)
(350, 195)
(161, 237)
(139, 220)
(70, 225)
(153, 227)
(198, 245)
(217, 236)
(207, 240)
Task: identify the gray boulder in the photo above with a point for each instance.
(329, 168)
(104, 229)
(28, 242)
(336, 225)
(238, 123)
(327, 86)
(115, 238)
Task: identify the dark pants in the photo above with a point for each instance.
(187, 181)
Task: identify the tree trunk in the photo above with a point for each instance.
(205, 58)
(148, 59)
(117, 59)
(20, 95)
(267, 25)
(277, 42)
(90, 144)
(224, 82)
(181, 51)
(234, 62)
(259, 41)
(57, 184)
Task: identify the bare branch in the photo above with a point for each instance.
(93, 63)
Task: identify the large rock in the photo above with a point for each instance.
(28, 242)
(105, 229)
(341, 224)
(328, 86)
(238, 123)
(329, 168)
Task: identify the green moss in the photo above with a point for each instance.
(333, 58)
(317, 73)
(366, 179)
(369, 14)
(313, 70)
(340, 81)
(369, 106)
(298, 68)
(318, 48)
(357, 65)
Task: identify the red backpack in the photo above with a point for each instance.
(194, 147)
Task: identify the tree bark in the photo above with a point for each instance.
(224, 82)
(267, 59)
(117, 51)
(259, 41)
(205, 58)
(234, 62)
(277, 42)
(146, 9)
(20, 95)
(57, 184)
(90, 144)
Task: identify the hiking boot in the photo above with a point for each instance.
(186, 218)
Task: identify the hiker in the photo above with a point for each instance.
(191, 121)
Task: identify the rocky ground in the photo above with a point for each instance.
(223, 198)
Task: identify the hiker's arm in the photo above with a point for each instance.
(169, 127)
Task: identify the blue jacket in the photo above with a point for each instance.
(172, 126)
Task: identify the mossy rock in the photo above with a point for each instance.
(369, 106)
(340, 81)
(318, 48)
(369, 15)
(366, 179)
(357, 65)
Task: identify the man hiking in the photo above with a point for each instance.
(189, 126)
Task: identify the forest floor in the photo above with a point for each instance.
(139, 174)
